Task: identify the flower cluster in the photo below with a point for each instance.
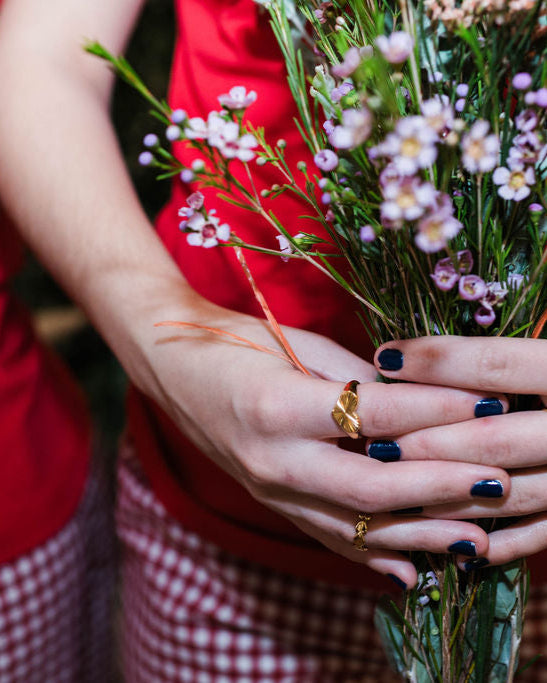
(468, 12)
(203, 228)
(457, 270)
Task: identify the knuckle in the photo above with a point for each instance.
(265, 412)
(493, 446)
(380, 414)
(493, 369)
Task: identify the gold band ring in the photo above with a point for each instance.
(344, 412)
(361, 528)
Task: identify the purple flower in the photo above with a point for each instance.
(527, 148)
(355, 129)
(328, 127)
(480, 150)
(224, 135)
(411, 146)
(206, 232)
(495, 293)
(535, 208)
(150, 140)
(526, 121)
(238, 98)
(464, 262)
(541, 98)
(352, 60)
(459, 105)
(326, 198)
(395, 48)
(471, 287)
(522, 81)
(285, 246)
(515, 281)
(187, 175)
(146, 158)
(195, 201)
(445, 275)
(515, 181)
(336, 94)
(326, 160)
(406, 200)
(438, 114)
(462, 89)
(366, 233)
(438, 226)
(484, 316)
(173, 133)
(321, 13)
(178, 116)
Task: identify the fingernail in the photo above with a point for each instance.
(477, 563)
(390, 359)
(463, 548)
(386, 451)
(397, 580)
(488, 406)
(488, 488)
(408, 511)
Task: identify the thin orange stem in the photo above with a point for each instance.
(538, 329)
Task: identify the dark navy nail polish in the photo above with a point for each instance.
(476, 563)
(408, 511)
(397, 580)
(386, 451)
(390, 359)
(488, 406)
(488, 488)
(463, 548)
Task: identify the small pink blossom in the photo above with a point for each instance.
(225, 137)
(285, 246)
(237, 98)
(406, 199)
(355, 129)
(395, 48)
(367, 234)
(480, 150)
(336, 94)
(526, 121)
(206, 232)
(485, 316)
(437, 227)
(321, 13)
(411, 146)
(195, 201)
(515, 181)
(471, 287)
(326, 160)
(352, 60)
(515, 280)
(438, 114)
(445, 275)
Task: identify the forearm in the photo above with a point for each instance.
(64, 181)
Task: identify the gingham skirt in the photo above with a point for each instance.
(55, 601)
(192, 612)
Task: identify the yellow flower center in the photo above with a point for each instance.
(517, 180)
(435, 231)
(406, 199)
(410, 147)
(475, 150)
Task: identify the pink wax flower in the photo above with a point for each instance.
(355, 129)
(484, 316)
(438, 226)
(146, 158)
(445, 275)
(395, 48)
(528, 148)
(328, 127)
(237, 98)
(438, 113)
(480, 150)
(178, 116)
(515, 280)
(321, 13)
(367, 234)
(541, 98)
(206, 232)
(336, 94)
(352, 60)
(173, 133)
(526, 121)
(195, 201)
(285, 246)
(522, 81)
(514, 182)
(406, 199)
(471, 287)
(411, 146)
(326, 160)
(225, 137)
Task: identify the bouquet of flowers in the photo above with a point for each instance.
(426, 120)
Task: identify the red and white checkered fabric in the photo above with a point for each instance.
(192, 612)
(55, 602)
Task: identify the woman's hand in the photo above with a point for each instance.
(270, 427)
(515, 441)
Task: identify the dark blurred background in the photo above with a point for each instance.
(57, 320)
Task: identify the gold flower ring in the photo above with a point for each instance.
(344, 412)
(361, 528)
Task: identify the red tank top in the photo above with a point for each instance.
(44, 426)
(235, 46)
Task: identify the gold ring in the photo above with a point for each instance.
(344, 412)
(361, 528)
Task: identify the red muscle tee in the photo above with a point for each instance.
(235, 46)
(44, 425)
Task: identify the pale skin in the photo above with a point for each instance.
(64, 181)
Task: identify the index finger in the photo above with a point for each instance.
(493, 364)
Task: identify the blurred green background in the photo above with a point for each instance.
(90, 360)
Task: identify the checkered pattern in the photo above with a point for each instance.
(55, 602)
(195, 613)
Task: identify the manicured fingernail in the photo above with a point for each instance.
(476, 563)
(390, 359)
(488, 488)
(463, 548)
(397, 580)
(386, 451)
(408, 511)
(488, 406)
